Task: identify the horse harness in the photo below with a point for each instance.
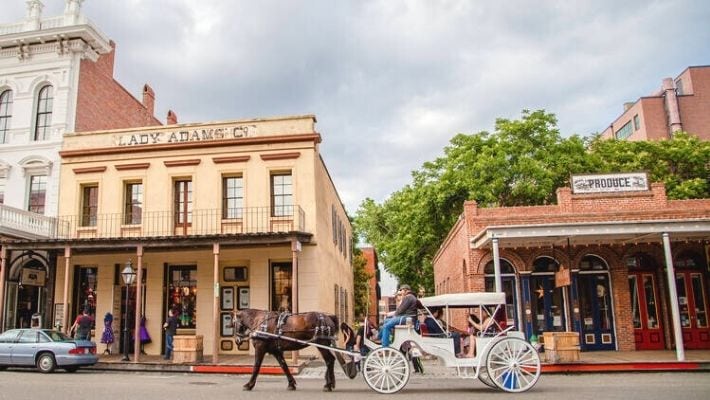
(321, 331)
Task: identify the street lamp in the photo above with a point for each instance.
(128, 275)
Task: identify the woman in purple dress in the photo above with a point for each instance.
(107, 335)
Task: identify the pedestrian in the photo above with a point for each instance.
(107, 336)
(82, 326)
(170, 327)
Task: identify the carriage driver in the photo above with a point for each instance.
(407, 308)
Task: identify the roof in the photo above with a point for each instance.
(464, 300)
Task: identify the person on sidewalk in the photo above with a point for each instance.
(407, 309)
(82, 326)
(170, 327)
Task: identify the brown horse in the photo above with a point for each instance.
(273, 332)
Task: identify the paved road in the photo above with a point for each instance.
(18, 384)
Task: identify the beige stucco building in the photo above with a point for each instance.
(213, 217)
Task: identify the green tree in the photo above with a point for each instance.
(522, 163)
(681, 163)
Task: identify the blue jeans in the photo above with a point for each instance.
(387, 326)
(168, 346)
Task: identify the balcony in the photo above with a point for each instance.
(22, 224)
(247, 221)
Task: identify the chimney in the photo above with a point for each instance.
(172, 118)
(148, 99)
(671, 100)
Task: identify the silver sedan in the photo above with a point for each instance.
(45, 349)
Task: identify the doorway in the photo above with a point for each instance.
(547, 302)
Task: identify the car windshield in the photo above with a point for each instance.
(57, 336)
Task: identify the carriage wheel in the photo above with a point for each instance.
(386, 370)
(513, 365)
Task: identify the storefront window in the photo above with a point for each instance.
(281, 294)
(182, 297)
(85, 297)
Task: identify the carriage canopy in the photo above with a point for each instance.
(464, 300)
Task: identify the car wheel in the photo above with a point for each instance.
(46, 363)
(71, 369)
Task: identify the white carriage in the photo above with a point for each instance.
(504, 359)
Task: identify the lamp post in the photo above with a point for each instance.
(128, 275)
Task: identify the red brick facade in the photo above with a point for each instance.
(689, 93)
(458, 267)
(372, 270)
(102, 103)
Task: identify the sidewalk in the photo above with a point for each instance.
(597, 362)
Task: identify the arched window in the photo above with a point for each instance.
(5, 114)
(640, 261)
(592, 263)
(505, 268)
(545, 264)
(688, 260)
(43, 119)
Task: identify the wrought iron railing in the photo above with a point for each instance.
(248, 220)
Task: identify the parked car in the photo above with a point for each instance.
(45, 349)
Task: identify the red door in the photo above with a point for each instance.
(693, 310)
(648, 333)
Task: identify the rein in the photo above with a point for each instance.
(261, 326)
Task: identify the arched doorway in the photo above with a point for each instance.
(692, 300)
(595, 305)
(643, 288)
(509, 281)
(26, 293)
(547, 303)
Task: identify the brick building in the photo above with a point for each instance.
(372, 269)
(56, 77)
(595, 263)
(680, 104)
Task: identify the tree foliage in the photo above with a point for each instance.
(521, 163)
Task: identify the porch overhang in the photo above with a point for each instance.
(95, 245)
(591, 233)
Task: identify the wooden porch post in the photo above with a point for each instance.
(3, 260)
(215, 306)
(65, 296)
(139, 301)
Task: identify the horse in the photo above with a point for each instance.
(275, 332)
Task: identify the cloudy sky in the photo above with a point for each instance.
(392, 81)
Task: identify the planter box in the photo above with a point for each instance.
(187, 348)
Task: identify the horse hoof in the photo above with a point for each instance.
(327, 388)
(291, 387)
(247, 387)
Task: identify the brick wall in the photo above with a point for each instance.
(102, 103)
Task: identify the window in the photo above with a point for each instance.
(38, 191)
(624, 132)
(89, 205)
(232, 197)
(5, 114)
(182, 295)
(281, 195)
(85, 281)
(679, 87)
(637, 122)
(133, 206)
(281, 296)
(43, 119)
(183, 202)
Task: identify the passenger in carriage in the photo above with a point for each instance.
(435, 329)
(479, 323)
(407, 309)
